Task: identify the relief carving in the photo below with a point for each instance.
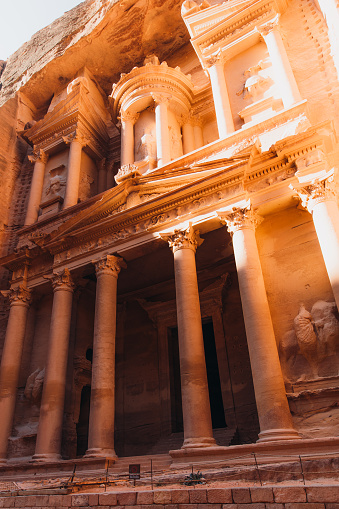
(34, 384)
(311, 349)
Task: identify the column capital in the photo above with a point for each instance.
(19, 296)
(318, 191)
(127, 116)
(183, 239)
(77, 136)
(268, 27)
(160, 98)
(240, 218)
(110, 265)
(61, 280)
(214, 59)
(38, 155)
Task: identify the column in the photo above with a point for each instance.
(284, 77)
(215, 67)
(101, 418)
(127, 137)
(188, 135)
(110, 175)
(20, 299)
(161, 127)
(76, 142)
(40, 159)
(198, 136)
(48, 444)
(102, 176)
(194, 386)
(273, 410)
(319, 198)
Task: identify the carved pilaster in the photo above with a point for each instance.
(240, 218)
(21, 296)
(319, 190)
(61, 281)
(183, 239)
(110, 265)
(38, 155)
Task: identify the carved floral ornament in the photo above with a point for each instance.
(18, 296)
(318, 191)
(38, 155)
(61, 280)
(183, 239)
(110, 265)
(240, 218)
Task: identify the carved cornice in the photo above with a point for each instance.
(240, 218)
(19, 296)
(61, 281)
(109, 265)
(183, 239)
(38, 155)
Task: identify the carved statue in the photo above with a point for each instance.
(33, 388)
(147, 146)
(311, 349)
(56, 186)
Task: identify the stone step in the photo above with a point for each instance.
(223, 436)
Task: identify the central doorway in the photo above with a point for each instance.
(213, 378)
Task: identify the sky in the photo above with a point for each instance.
(20, 19)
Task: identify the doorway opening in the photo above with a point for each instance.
(213, 378)
(83, 423)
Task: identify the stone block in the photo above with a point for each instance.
(322, 493)
(5, 500)
(289, 494)
(180, 497)
(332, 505)
(219, 496)
(127, 498)
(162, 497)
(188, 506)
(171, 506)
(59, 500)
(231, 506)
(93, 499)
(42, 500)
(80, 501)
(107, 499)
(261, 494)
(275, 506)
(241, 495)
(303, 505)
(145, 497)
(198, 496)
(24, 501)
(259, 505)
(209, 506)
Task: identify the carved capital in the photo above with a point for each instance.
(183, 239)
(318, 191)
(240, 218)
(110, 265)
(61, 280)
(214, 59)
(21, 296)
(126, 116)
(125, 172)
(267, 28)
(38, 155)
(159, 98)
(78, 137)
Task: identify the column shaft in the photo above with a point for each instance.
(48, 445)
(188, 137)
(127, 141)
(284, 76)
(73, 174)
(221, 100)
(326, 221)
(102, 411)
(10, 365)
(102, 177)
(35, 193)
(198, 136)
(273, 410)
(162, 133)
(194, 385)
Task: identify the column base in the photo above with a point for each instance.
(197, 443)
(46, 458)
(274, 435)
(97, 452)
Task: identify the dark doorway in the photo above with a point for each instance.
(214, 387)
(82, 426)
